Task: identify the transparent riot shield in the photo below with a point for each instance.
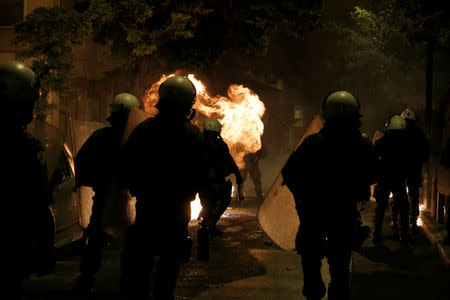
(51, 138)
(277, 214)
(135, 117)
(81, 130)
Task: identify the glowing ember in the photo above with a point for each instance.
(196, 207)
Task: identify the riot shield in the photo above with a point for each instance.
(51, 138)
(135, 117)
(119, 211)
(81, 130)
(277, 214)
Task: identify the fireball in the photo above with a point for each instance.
(239, 112)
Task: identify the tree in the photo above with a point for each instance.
(423, 20)
(50, 35)
(140, 37)
(379, 63)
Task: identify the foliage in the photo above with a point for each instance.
(423, 20)
(50, 34)
(178, 34)
(378, 61)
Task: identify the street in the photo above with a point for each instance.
(245, 264)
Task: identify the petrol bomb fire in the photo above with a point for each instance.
(239, 113)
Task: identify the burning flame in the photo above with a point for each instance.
(419, 221)
(196, 207)
(239, 113)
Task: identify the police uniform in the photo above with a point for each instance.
(27, 222)
(329, 173)
(164, 168)
(221, 164)
(394, 153)
(96, 166)
(420, 147)
(252, 168)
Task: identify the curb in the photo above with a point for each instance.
(434, 242)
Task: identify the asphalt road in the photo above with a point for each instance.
(245, 264)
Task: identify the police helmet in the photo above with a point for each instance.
(396, 123)
(177, 93)
(212, 124)
(124, 102)
(408, 114)
(340, 104)
(19, 89)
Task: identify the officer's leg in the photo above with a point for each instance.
(255, 174)
(402, 197)
(208, 202)
(313, 286)
(91, 258)
(339, 263)
(166, 272)
(136, 266)
(381, 195)
(223, 201)
(413, 191)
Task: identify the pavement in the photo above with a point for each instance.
(436, 234)
(246, 264)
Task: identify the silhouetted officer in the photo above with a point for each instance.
(164, 168)
(329, 173)
(251, 168)
(97, 166)
(217, 197)
(420, 146)
(395, 154)
(28, 228)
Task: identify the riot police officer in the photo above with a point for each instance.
(27, 221)
(216, 199)
(329, 173)
(394, 153)
(97, 166)
(251, 168)
(164, 168)
(420, 146)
